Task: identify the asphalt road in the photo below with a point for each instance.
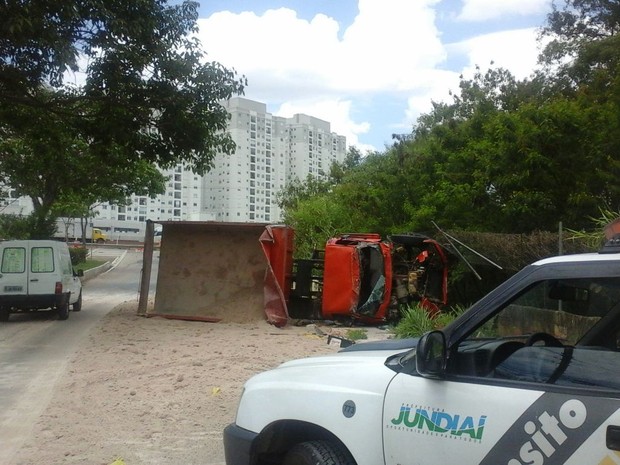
(35, 348)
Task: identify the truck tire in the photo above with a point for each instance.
(318, 453)
(4, 314)
(63, 310)
(77, 306)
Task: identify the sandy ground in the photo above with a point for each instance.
(155, 391)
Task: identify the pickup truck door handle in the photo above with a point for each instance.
(612, 439)
(36, 280)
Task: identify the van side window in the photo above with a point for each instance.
(42, 260)
(13, 260)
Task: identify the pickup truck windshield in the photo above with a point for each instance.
(563, 332)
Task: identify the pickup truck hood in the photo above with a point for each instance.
(307, 389)
(340, 360)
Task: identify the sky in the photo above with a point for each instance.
(369, 67)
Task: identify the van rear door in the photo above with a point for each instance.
(13, 271)
(44, 271)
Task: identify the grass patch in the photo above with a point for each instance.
(356, 334)
(416, 321)
(88, 264)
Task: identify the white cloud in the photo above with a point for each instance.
(393, 49)
(437, 90)
(308, 67)
(384, 48)
(483, 10)
(515, 50)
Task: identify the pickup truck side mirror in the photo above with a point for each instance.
(431, 355)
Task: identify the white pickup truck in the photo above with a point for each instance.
(530, 375)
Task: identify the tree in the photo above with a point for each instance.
(148, 98)
(297, 190)
(52, 165)
(584, 45)
(316, 219)
(337, 171)
(148, 87)
(506, 155)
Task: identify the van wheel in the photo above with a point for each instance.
(318, 453)
(77, 306)
(63, 310)
(4, 314)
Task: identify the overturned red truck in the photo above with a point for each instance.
(358, 276)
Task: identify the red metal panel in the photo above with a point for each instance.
(277, 244)
(341, 280)
(281, 256)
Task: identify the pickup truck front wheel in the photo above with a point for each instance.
(318, 453)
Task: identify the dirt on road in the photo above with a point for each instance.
(153, 391)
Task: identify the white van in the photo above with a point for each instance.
(37, 275)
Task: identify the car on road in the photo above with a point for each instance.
(37, 275)
(529, 375)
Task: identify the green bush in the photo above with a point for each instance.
(416, 321)
(78, 255)
(25, 227)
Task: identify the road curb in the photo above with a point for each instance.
(107, 266)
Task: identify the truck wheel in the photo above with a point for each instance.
(4, 314)
(318, 453)
(77, 306)
(100, 241)
(63, 310)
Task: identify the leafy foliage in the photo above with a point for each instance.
(595, 238)
(25, 227)
(416, 321)
(148, 88)
(149, 99)
(315, 220)
(503, 156)
(78, 255)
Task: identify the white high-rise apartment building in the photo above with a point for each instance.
(241, 187)
(271, 151)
